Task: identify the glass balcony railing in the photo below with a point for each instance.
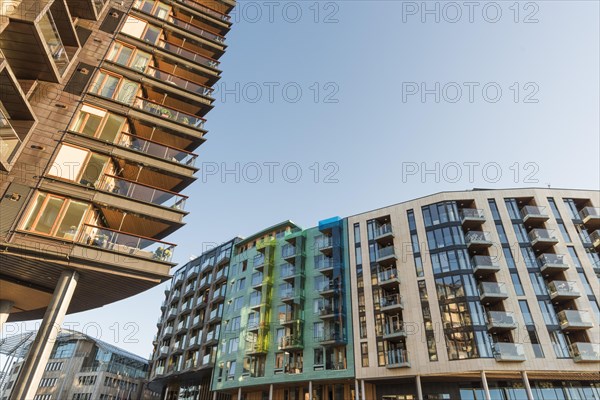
(209, 11)
(390, 300)
(509, 352)
(478, 237)
(323, 242)
(255, 301)
(259, 260)
(587, 213)
(397, 358)
(186, 26)
(484, 262)
(501, 320)
(138, 191)
(387, 275)
(533, 212)
(575, 319)
(563, 289)
(187, 54)
(323, 263)
(383, 230)
(113, 240)
(548, 259)
(473, 214)
(169, 113)
(288, 271)
(393, 327)
(324, 286)
(595, 238)
(178, 81)
(585, 352)
(257, 280)
(493, 289)
(384, 252)
(542, 235)
(288, 251)
(9, 140)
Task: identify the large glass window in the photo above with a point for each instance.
(78, 165)
(114, 87)
(98, 123)
(56, 216)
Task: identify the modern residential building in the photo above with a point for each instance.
(102, 108)
(480, 294)
(81, 368)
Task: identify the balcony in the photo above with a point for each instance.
(471, 217)
(290, 273)
(388, 278)
(492, 292)
(169, 113)
(255, 348)
(205, 10)
(542, 239)
(484, 265)
(385, 255)
(253, 325)
(477, 240)
(394, 331)
(172, 314)
(325, 266)
(595, 238)
(534, 215)
(290, 318)
(590, 217)
(168, 332)
(498, 321)
(573, 320)
(383, 233)
(86, 9)
(324, 244)
(126, 243)
(156, 149)
(289, 252)
(140, 192)
(391, 303)
(563, 290)
(585, 352)
(327, 312)
(9, 142)
(291, 296)
(163, 350)
(330, 339)
(509, 352)
(552, 263)
(397, 358)
(291, 343)
(325, 288)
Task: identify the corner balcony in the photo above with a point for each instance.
(478, 240)
(163, 351)
(590, 217)
(385, 255)
(484, 265)
(383, 233)
(471, 217)
(111, 240)
(498, 321)
(397, 359)
(394, 331)
(534, 215)
(391, 304)
(290, 343)
(542, 239)
(492, 292)
(563, 291)
(388, 278)
(509, 352)
(585, 352)
(552, 263)
(573, 320)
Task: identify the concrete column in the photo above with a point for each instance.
(5, 307)
(527, 386)
(310, 391)
(33, 367)
(271, 391)
(356, 389)
(362, 390)
(214, 395)
(486, 389)
(239, 396)
(419, 388)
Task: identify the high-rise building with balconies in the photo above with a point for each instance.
(481, 294)
(102, 107)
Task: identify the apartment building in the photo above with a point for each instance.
(102, 108)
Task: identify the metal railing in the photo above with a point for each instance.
(187, 54)
(381, 230)
(137, 191)
(397, 357)
(155, 149)
(169, 113)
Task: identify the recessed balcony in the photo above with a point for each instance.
(542, 239)
(509, 352)
(573, 320)
(324, 244)
(478, 240)
(290, 318)
(385, 255)
(289, 273)
(327, 312)
(563, 291)
(484, 265)
(551, 264)
(471, 217)
(383, 233)
(330, 339)
(120, 242)
(498, 321)
(291, 296)
(388, 278)
(534, 215)
(289, 253)
(397, 359)
(325, 266)
(590, 217)
(394, 331)
(391, 304)
(492, 292)
(291, 343)
(585, 352)
(326, 288)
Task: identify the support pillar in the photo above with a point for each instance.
(419, 387)
(362, 390)
(310, 391)
(486, 389)
(239, 396)
(271, 391)
(356, 389)
(39, 352)
(5, 307)
(214, 395)
(527, 385)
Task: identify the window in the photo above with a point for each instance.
(78, 165)
(548, 312)
(513, 208)
(231, 369)
(238, 303)
(364, 354)
(128, 56)
(140, 29)
(574, 256)
(539, 286)
(233, 345)
(114, 87)
(241, 284)
(56, 216)
(514, 276)
(54, 366)
(494, 209)
(570, 204)
(559, 343)
(48, 382)
(535, 343)
(586, 284)
(87, 380)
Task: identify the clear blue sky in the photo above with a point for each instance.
(370, 57)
